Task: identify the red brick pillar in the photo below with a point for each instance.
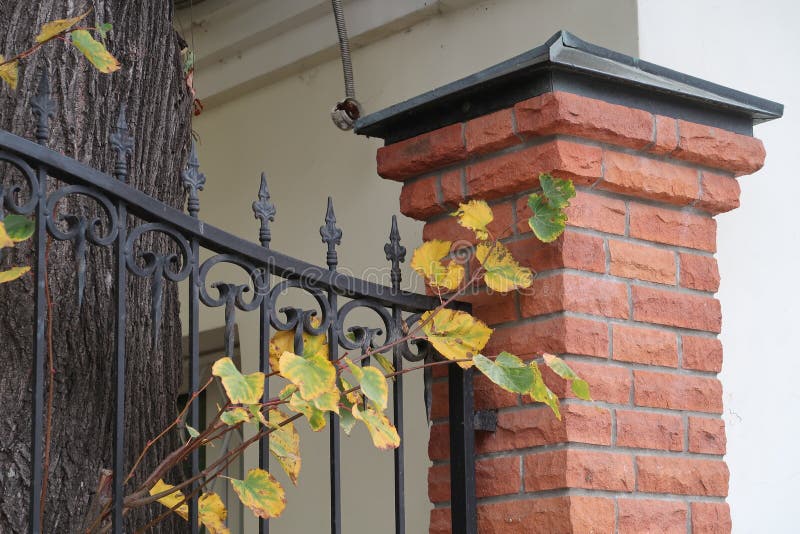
(626, 295)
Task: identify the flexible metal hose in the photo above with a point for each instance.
(344, 49)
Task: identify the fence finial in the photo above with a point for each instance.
(265, 210)
(331, 235)
(121, 142)
(395, 253)
(193, 181)
(43, 107)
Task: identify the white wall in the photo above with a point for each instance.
(285, 129)
(753, 47)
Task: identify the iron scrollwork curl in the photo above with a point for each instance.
(9, 195)
(364, 337)
(231, 296)
(297, 319)
(159, 266)
(425, 350)
(81, 229)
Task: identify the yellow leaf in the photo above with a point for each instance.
(456, 335)
(9, 72)
(94, 51)
(475, 215)
(53, 28)
(171, 500)
(244, 389)
(284, 342)
(315, 416)
(260, 492)
(314, 376)
(212, 513)
(503, 273)
(5, 239)
(235, 416)
(427, 261)
(284, 444)
(12, 274)
(384, 435)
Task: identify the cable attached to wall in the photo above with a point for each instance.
(345, 112)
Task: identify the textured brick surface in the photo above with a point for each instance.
(702, 353)
(555, 515)
(419, 199)
(739, 154)
(579, 469)
(641, 262)
(572, 292)
(422, 153)
(711, 518)
(682, 476)
(649, 178)
(491, 132)
(699, 272)
(645, 345)
(558, 335)
(649, 430)
(646, 516)
(677, 392)
(673, 227)
(707, 435)
(673, 308)
(719, 193)
(572, 250)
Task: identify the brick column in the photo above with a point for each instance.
(626, 295)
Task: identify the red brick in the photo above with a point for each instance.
(419, 199)
(721, 149)
(498, 476)
(439, 483)
(652, 179)
(539, 426)
(682, 476)
(699, 272)
(586, 210)
(641, 262)
(644, 516)
(572, 468)
(702, 353)
(719, 193)
(572, 514)
(573, 292)
(559, 335)
(422, 153)
(439, 442)
(519, 171)
(649, 430)
(572, 250)
(453, 188)
(711, 518)
(492, 307)
(491, 133)
(607, 383)
(677, 392)
(440, 521)
(673, 227)
(439, 400)
(707, 435)
(566, 113)
(671, 308)
(666, 135)
(645, 345)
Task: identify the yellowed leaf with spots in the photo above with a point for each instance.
(212, 513)
(476, 216)
(427, 261)
(54, 27)
(171, 500)
(503, 273)
(260, 492)
(457, 335)
(9, 72)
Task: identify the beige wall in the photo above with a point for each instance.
(285, 129)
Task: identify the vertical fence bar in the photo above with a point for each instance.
(332, 236)
(264, 210)
(396, 253)
(194, 181)
(463, 502)
(42, 107)
(122, 143)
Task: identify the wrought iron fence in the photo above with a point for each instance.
(270, 272)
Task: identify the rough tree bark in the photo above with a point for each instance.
(151, 83)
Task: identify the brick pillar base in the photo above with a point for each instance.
(625, 295)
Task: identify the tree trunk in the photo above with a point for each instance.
(159, 112)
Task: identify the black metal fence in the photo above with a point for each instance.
(271, 274)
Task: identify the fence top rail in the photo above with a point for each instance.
(144, 206)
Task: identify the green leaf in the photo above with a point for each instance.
(541, 393)
(193, 433)
(284, 444)
(507, 371)
(315, 416)
(260, 492)
(314, 375)
(373, 384)
(287, 392)
(9, 72)
(456, 335)
(241, 389)
(12, 274)
(212, 513)
(235, 416)
(503, 273)
(346, 419)
(549, 220)
(104, 28)
(475, 215)
(580, 388)
(53, 28)
(384, 435)
(427, 261)
(18, 228)
(385, 364)
(94, 51)
(559, 367)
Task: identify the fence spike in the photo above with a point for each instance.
(395, 253)
(265, 210)
(43, 107)
(121, 142)
(193, 181)
(331, 235)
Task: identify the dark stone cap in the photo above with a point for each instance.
(567, 63)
